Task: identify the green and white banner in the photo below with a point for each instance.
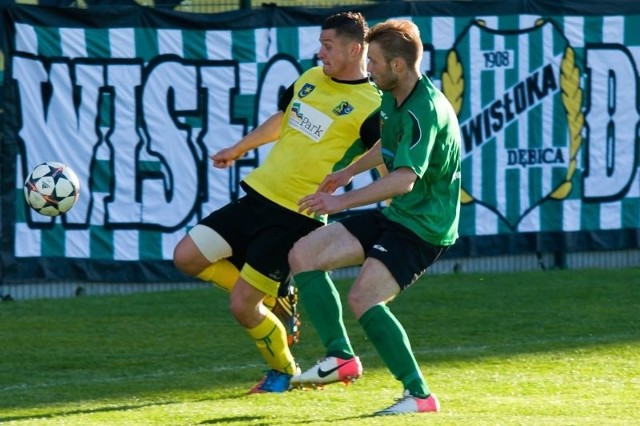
(135, 100)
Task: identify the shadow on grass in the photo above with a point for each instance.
(253, 419)
(87, 411)
(127, 407)
(237, 419)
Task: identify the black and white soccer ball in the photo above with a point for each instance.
(51, 188)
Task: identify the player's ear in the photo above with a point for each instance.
(398, 64)
(356, 49)
(394, 64)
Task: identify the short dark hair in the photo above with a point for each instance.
(348, 24)
(397, 38)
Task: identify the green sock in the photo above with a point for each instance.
(321, 302)
(391, 341)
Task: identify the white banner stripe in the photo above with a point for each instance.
(613, 29)
(121, 43)
(73, 42)
(170, 42)
(78, 244)
(26, 39)
(219, 45)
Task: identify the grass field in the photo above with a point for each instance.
(538, 348)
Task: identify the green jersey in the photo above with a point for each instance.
(423, 135)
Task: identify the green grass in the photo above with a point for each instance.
(538, 348)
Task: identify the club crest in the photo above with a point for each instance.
(343, 108)
(511, 164)
(306, 89)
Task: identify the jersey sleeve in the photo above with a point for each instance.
(370, 129)
(417, 142)
(285, 99)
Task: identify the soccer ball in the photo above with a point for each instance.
(51, 188)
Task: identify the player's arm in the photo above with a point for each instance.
(267, 132)
(334, 180)
(370, 137)
(399, 181)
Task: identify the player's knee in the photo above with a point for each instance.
(183, 259)
(359, 302)
(181, 263)
(236, 308)
(299, 259)
(294, 262)
(244, 312)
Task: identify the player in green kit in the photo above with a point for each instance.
(325, 120)
(420, 146)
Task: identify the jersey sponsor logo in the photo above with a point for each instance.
(380, 248)
(505, 119)
(343, 108)
(309, 120)
(306, 90)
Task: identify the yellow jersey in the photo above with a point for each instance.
(321, 132)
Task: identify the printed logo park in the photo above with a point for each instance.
(308, 120)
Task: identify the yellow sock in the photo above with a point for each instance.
(271, 340)
(223, 274)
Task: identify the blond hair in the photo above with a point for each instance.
(397, 38)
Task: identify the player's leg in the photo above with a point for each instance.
(212, 249)
(265, 269)
(389, 337)
(264, 328)
(323, 250)
(395, 262)
(203, 253)
(374, 287)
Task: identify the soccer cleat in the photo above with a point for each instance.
(285, 308)
(411, 404)
(274, 381)
(329, 370)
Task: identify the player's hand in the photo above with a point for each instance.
(224, 158)
(319, 203)
(335, 180)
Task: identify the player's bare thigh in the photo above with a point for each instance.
(326, 248)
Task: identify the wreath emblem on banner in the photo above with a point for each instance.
(566, 84)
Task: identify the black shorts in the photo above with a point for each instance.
(405, 255)
(260, 233)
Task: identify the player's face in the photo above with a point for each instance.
(334, 54)
(380, 70)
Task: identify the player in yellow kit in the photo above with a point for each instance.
(326, 119)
